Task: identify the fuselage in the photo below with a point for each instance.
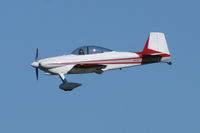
(112, 60)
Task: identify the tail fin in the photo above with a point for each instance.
(156, 43)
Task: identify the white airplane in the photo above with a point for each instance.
(95, 59)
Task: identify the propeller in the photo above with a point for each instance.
(36, 64)
(36, 57)
(36, 60)
(36, 70)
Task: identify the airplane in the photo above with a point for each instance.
(95, 59)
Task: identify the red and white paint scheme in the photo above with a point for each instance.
(95, 59)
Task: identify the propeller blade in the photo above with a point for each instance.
(36, 70)
(36, 57)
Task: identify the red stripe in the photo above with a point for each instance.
(98, 61)
(116, 59)
(95, 64)
(146, 45)
(114, 63)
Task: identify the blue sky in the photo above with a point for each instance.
(147, 99)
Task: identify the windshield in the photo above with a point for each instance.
(90, 50)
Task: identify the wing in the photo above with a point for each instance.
(62, 69)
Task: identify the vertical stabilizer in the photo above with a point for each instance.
(156, 43)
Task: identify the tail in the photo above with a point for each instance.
(156, 49)
(156, 43)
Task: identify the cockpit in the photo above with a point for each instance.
(90, 50)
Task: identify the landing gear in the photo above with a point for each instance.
(67, 86)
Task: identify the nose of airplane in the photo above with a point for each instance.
(35, 64)
(47, 64)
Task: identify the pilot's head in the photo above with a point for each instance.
(81, 52)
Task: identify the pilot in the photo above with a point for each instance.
(81, 52)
